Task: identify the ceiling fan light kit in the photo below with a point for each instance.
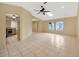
(49, 14)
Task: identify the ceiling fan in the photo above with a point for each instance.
(42, 10)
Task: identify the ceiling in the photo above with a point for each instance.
(58, 9)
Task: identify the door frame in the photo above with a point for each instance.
(18, 24)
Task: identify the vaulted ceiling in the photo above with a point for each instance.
(58, 9)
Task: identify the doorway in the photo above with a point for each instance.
(34, 26)
(12, 26)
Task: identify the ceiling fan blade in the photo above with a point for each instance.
(43, 13)
(47, 11)
(36, 10)
(38, 13)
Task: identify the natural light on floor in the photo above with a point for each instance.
(58, 40)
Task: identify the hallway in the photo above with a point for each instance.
(41, 45)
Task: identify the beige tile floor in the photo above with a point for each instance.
(41, 45)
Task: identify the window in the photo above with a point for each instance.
(58, 26)
(51, 26)
(13, 24)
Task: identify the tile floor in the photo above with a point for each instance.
(41, 45)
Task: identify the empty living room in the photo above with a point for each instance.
(39, 29)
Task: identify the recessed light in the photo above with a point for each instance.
(62, 6)
(13, 17)
(50, 14)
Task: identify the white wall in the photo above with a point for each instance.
(25, 25)
(78, 25)
(2, 32)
